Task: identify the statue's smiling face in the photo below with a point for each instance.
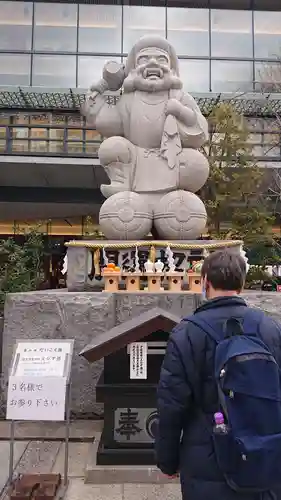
(153, 64)
(152, 72)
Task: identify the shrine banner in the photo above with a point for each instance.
(125, 259)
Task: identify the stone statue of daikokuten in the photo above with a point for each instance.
(150, 153)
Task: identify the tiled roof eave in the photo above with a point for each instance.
(70, 100)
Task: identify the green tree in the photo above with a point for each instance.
(233, 194)
(21, 265)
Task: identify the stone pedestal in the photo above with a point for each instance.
(59, 314)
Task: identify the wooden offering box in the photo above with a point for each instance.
(194, 282)
(132, 281)
(175, 281)
(130, 413)
(154, 281)
(111, 281)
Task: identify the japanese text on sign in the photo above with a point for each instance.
(36, 398)
(41, 359)
(138, 360)
(38, 380)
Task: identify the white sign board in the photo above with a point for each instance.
(138, 360)
(36, 398)
(38, 380)
(41, 359)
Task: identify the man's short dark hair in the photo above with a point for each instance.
(225, 270)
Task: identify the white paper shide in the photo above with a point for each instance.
(138, 360)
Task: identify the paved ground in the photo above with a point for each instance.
(122, 491)
(32, 455)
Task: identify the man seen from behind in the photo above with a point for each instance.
(219, 394)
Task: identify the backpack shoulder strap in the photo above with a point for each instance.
(251, 321)
(217, 336)
(247, 325)
(206, 327)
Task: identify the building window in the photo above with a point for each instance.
(90, 69)
(75, 143)
(100, 28)
(55, 27)
(42, 134)
(232, 76)
(3, 136)
(54, 71)
(93, 140)
(231, 33)
(194, 75)
(188, 31)
(15, 69)
(140, 21)
(268, 76)
(267, 33)
(15, 25)
(39, 135)
(56, 141)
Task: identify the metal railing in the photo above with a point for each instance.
(48, 140)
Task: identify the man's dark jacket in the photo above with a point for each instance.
(188, 399)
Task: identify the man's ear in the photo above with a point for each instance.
(204, 281)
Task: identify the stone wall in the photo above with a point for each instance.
(58, 314)
(269, 302)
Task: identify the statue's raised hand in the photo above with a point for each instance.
(172, 107)
(179, 111)
(114, 75)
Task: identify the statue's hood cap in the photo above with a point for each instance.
(151, 41)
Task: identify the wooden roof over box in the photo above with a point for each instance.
(130, 331)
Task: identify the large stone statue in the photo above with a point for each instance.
(150, 153)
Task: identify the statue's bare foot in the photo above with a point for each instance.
(111, 189)
(116, 157)
(119, 180)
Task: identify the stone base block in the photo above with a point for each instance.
(120, 474)
(114, 456)
(59, 314)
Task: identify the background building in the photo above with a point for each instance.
(51, 52)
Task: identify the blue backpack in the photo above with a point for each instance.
(249, 389)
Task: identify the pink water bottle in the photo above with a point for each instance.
(220, 426)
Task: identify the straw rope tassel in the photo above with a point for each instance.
(96, 258)
(152, 254)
